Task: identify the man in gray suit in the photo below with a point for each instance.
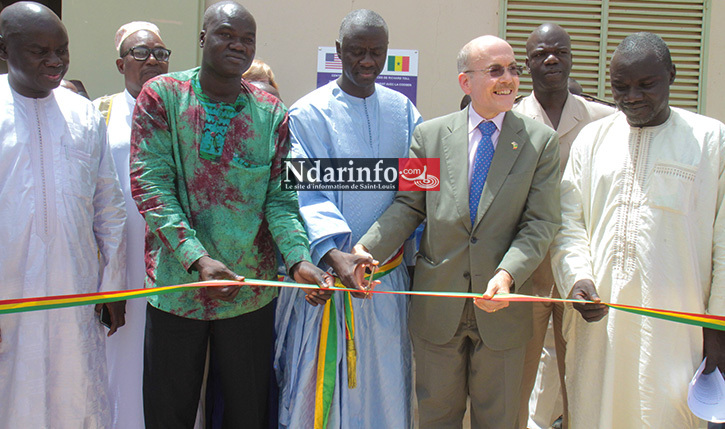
(487, 229)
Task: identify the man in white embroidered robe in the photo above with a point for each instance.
(61, 231)
(124, 351)
(349, 118)
(642, 224)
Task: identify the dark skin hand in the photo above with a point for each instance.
(713, 349)
(302, 272)
(211, 269)
(584, 289)
(350, 268)
(117, 310)
(306, 272)
(713, 339)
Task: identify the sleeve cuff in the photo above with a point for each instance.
(716, 306)
(295, 255)
(320, 249)
(515, 282)
(189, 252)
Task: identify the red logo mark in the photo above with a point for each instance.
(419, 174)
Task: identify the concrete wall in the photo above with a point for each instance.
(289, 32)
(92, 25)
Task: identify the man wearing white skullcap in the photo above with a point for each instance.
(143, 56)
(132, 27)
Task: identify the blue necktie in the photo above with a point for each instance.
(484, 155)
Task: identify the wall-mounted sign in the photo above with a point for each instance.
(399, 73)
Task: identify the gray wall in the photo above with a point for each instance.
(289, 32)
(92, 24)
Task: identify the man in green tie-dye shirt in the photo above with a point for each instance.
(206, 163)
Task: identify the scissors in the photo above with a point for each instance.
(371, 278)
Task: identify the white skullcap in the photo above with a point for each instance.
(132, 27)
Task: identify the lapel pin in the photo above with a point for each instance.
(514, 145)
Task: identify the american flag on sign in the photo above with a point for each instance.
(332, 62)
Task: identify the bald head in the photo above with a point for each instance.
(34, 43)
(473, 50)
(225, 9)
(361, 18)
(547, 31)
(25, 17)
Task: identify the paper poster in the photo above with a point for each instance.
(400, 72)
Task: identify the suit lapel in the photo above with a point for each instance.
(455, 154)
(536, 112)
(510, 144)
(570, 116)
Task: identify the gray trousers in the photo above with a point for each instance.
(446, 375)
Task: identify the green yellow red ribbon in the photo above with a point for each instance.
(327, 357)
(326, 364)
(61, 301)
(327, 352)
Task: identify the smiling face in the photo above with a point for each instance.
(548, 57)
(641, 88)
(228, 41)
(490, 95)
(362, 50)
(135, 72)
(37, 57)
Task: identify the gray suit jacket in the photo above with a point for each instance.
(577, 113)
(517, 219)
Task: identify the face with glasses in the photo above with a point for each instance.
(144, 56)
(491, 77)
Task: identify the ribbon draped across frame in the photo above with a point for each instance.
(327, 352)
(61, 301)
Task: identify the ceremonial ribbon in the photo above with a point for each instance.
(327, 362)
(327, 348)
(62, 301)
(350, 342)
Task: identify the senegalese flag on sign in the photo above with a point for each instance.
(398, 63)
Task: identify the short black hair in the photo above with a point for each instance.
(362, 18)
(643, 43)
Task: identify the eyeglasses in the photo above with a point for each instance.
(498, 70)
(142, 53)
